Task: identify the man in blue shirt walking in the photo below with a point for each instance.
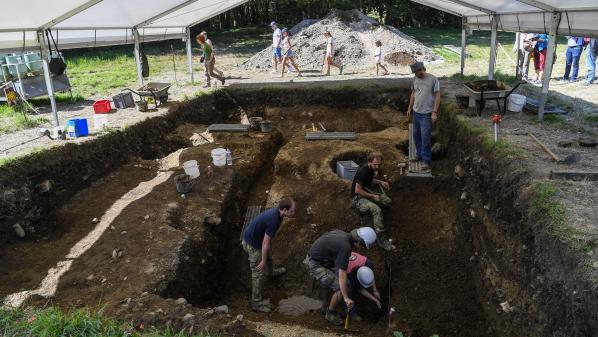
(256, 242)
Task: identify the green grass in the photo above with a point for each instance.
(548, 212)
(52, 322)
(12, 119)
(553, 119)
(592, 120)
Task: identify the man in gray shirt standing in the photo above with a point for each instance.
(424, 102)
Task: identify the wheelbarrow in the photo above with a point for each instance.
(487, 90)
(156, 90)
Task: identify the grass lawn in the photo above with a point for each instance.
(52, 322)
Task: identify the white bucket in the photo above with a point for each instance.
(219, 156)
(100, 121)
(516, 103)
(191, 168)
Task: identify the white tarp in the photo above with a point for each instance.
(89, 23)
(578, 16)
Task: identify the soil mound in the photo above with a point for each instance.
(355, 34)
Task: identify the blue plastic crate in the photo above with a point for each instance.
(77, 128)
(346, 169)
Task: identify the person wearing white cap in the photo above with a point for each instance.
(331, 252)
(276, 46)
(361, 278)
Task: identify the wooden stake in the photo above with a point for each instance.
(554, 156)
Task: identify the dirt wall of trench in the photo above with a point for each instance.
(530, 283)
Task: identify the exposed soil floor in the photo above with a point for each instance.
(164, 246)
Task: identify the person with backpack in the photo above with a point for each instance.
(591, 61)
(572, 55)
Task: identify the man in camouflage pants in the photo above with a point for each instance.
(256, 242)
(367, 200)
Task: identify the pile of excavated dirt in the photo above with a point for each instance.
(354, 34)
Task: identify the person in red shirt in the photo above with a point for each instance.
(361, 278)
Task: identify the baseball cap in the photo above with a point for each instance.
(416, 66)
(273, 23)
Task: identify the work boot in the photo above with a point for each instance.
(384, 243)
(263, 306)
(425, 166)
(334, 318)
(278, 272)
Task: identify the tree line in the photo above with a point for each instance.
(398, 13)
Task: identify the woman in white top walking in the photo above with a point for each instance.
(329, 58)
(287, 53)
(378, 58)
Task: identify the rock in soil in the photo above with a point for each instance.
(223, 309)
(587, 142)
(565, 143)
(459, 171)
(571, 159)
(181, 301)
(19, 231)
(438, 150)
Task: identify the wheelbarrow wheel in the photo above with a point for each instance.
(163, 99)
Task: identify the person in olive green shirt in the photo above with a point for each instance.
(209, 60)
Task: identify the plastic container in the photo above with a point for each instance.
(254, 122)
(102, 106)
(229, 157)
(123, 100)
(16, 66)
(191, 168)
(219, 157)
(77, 128)
(183, 183)
(141, 106)
(100, 121)
(266, 126)
(346, 169)
(516, 102)
(33, 62)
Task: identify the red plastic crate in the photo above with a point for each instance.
(102, 106)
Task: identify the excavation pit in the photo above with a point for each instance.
(164, 246)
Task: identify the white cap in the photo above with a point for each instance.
(367, 235)
(365, 276)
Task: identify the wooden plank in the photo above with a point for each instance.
(414, 169)
(554, 156)
(330, 135)
(228, 128)
(574, 175)
(250, 214)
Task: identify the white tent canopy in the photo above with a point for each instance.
(91, 23)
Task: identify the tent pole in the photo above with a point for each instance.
(47, 76)
(190, 54)
(518, 69)
(138, 57)
(463, 42)
(492, 48)
(554, 25)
